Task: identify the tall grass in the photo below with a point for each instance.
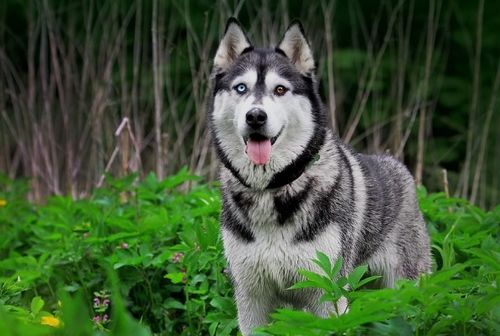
(72, 73)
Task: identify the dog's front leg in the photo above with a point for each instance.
(253, 309)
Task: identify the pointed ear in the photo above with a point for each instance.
(231, 46)
(296, 48)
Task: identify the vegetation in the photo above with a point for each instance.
(417, 78)
(103, 102)
(145, 257)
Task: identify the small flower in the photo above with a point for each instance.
(50, 321)
(105, 318)
(97, 319)
(124, 246)
(97, 302)
(176, 258)
(3, 202)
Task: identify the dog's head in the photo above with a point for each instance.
(266, 117)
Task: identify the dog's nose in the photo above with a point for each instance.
(256, 118)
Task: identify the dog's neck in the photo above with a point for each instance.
(290, 174)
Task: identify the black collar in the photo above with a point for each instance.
(286, 176)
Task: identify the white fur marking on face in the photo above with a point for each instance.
(249, 78)
(297, 112)
(273, 79)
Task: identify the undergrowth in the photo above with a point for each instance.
(145, 258)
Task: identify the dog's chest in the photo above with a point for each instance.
(271, 261)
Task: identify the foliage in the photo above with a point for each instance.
(161, 246)
(148, 256)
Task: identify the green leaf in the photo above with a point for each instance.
(338, 266)
(37, 304)
(367, 280)
(173, 304)
(223, 304)
(212, 329)
(354, 277)
(324, 263)
(303, 284)
(230, 326)
(341, 282)
(319, 280)
(176, 277)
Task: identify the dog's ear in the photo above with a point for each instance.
(295, 46)
(231, 46)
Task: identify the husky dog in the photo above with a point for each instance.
(290, 187)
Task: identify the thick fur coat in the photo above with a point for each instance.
(291, 187)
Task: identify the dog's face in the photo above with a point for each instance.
(266, 112)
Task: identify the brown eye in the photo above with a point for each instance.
(280, 90)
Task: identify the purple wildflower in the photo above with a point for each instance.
(176, 258)
(97, 319)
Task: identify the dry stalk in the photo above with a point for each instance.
(474, 102)
(158, 87)
(433, 18)
(484, 135)
(365, 91)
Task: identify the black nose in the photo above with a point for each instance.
(256, 118)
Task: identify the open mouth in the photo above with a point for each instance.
(258, 147)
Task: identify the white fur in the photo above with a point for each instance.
(249, 78)
(359, 197)
(273, 79)
(386, 262)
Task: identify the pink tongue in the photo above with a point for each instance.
(259, 151)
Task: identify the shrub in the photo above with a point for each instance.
(145, 257)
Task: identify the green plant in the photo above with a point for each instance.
(152, 248)
(334, 285)
(161, 243)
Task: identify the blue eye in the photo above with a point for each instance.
(241, 88)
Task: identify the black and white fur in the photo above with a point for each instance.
(315, 193)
